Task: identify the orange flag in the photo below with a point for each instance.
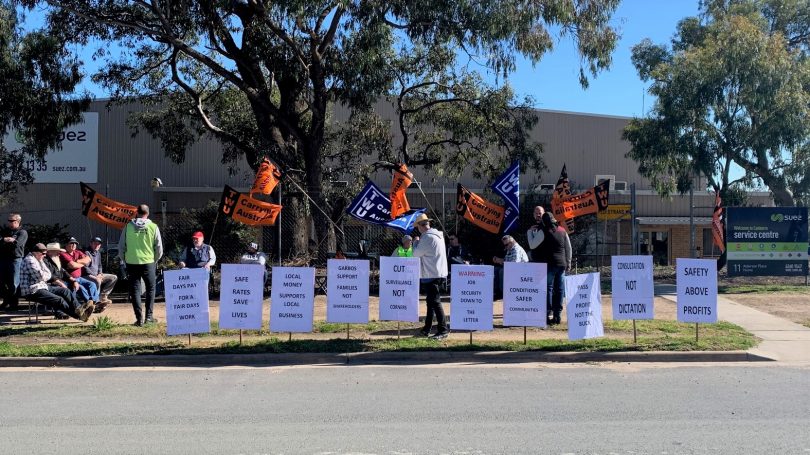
(267, 178)
(561, 191)
(243, 208)
(717, 223)
(592, 201)
(97, 207)
(479, 211)
(401, 181)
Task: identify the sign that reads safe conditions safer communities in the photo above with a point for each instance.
(632, 287)
(584, 306)
(186, 301)
(292, 299)
(524, 294)
(241, 296)
(399, 289)
(697, 290)
(471, 297)
(347, 291)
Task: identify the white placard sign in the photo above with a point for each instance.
(399, 289)
(77, 159)
(632, 287)
(524, 294)
(584, 294)
(241, 296)
(471, 297)
(347, 291)
(186, 301)
(697, 290)
(292, 299)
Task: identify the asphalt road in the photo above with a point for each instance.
(558, 409)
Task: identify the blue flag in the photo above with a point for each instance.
(507, 186)
(373, 206)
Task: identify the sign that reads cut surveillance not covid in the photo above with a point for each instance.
(399, 289)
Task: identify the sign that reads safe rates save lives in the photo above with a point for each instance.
(186, 301)
(524, 294)
(584, 306)
(632, 287)
(399, 289)
(697, 290)
(347, 291)
(241, 296)
(471, 297)
(292, 299)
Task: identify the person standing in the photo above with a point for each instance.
(405, 248)
(457, 253)
(433, 258)
(535, 234)
(556, 252)
(514, 253)
(93, 271)
(254, 256)
(199, 255)
(140, 247)
(12, 250)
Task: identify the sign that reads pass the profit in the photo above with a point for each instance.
(347, 291)
(697, 290)
(632, 287)
(241, 296)
(292, 299)
(524, 294)
(399, 289)
(471, 297)
(584, 295)
(186, 301)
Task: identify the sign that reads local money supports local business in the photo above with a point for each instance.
(399, 289)
(632, 287)
(347, 291)
(697, 290)
(524, 294)
(584, 295)
(241, 296)
(76, 160)
(292, 299)
(471, 297)
(766, 241)
(186, 301)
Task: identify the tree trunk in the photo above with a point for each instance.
(294, 225)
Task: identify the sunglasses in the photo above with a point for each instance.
(11, 221)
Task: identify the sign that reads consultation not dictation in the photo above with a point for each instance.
(524, 294)
(292, 299)
(399, 289)
(584, 295)
(632, 287)
(241, 296)
(471, 297)
(347, 291)
(186, 301)
(697, 290)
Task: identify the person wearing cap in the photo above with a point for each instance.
(514, 253)
(60, 276)
(93, 271)
(12, 249)
(199, 255)
(35, 277)
(254, 256)
(140, 247)
(433, 258)
(74, 260)
(405, 248)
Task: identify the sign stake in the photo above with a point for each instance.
(635, 339)
(397, 330)
(347, 330)
(290, 337)
(189, 339)
(696, 332)
(240, 337)
(524, 334)
(470, 338)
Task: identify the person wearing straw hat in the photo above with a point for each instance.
(37, 285)
(433, 257)
(140, 247)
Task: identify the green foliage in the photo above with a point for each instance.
(46, 233)
(103, 324)
(733, 88)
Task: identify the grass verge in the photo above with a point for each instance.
(762, 289)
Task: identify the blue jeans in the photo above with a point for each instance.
(556, 289)
(10, 281)
(88, 288)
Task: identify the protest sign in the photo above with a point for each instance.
(524, 294)
(399, 289)
(241, 296)
(186, 301)
(347, 291)
(471, 297)
(584, 295)
(697, 289)
(292, 299)
(632, 287)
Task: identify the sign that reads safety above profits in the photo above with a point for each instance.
(292, 299)
(524, 294)
(241, 296)
(471, 297)
(584, 295)
(399, 289)
(186, 301)
(697, 290)
(632, 287)
(347, 291)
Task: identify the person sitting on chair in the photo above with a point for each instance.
(93, 271)
(34, 286)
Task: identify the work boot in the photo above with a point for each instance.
(86, 310)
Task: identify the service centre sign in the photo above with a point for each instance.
(766, 241)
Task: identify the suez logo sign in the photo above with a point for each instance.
(70, 136)
(779, 217)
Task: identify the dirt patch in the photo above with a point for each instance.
(793, 307)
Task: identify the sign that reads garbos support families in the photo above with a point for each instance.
(697, 290)
(186, 301)
(399, 289)
(292, 299)
(632, 287)
(347, 291)
(241, 296)
(584, 295)
(524, 294)
(471, 297)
